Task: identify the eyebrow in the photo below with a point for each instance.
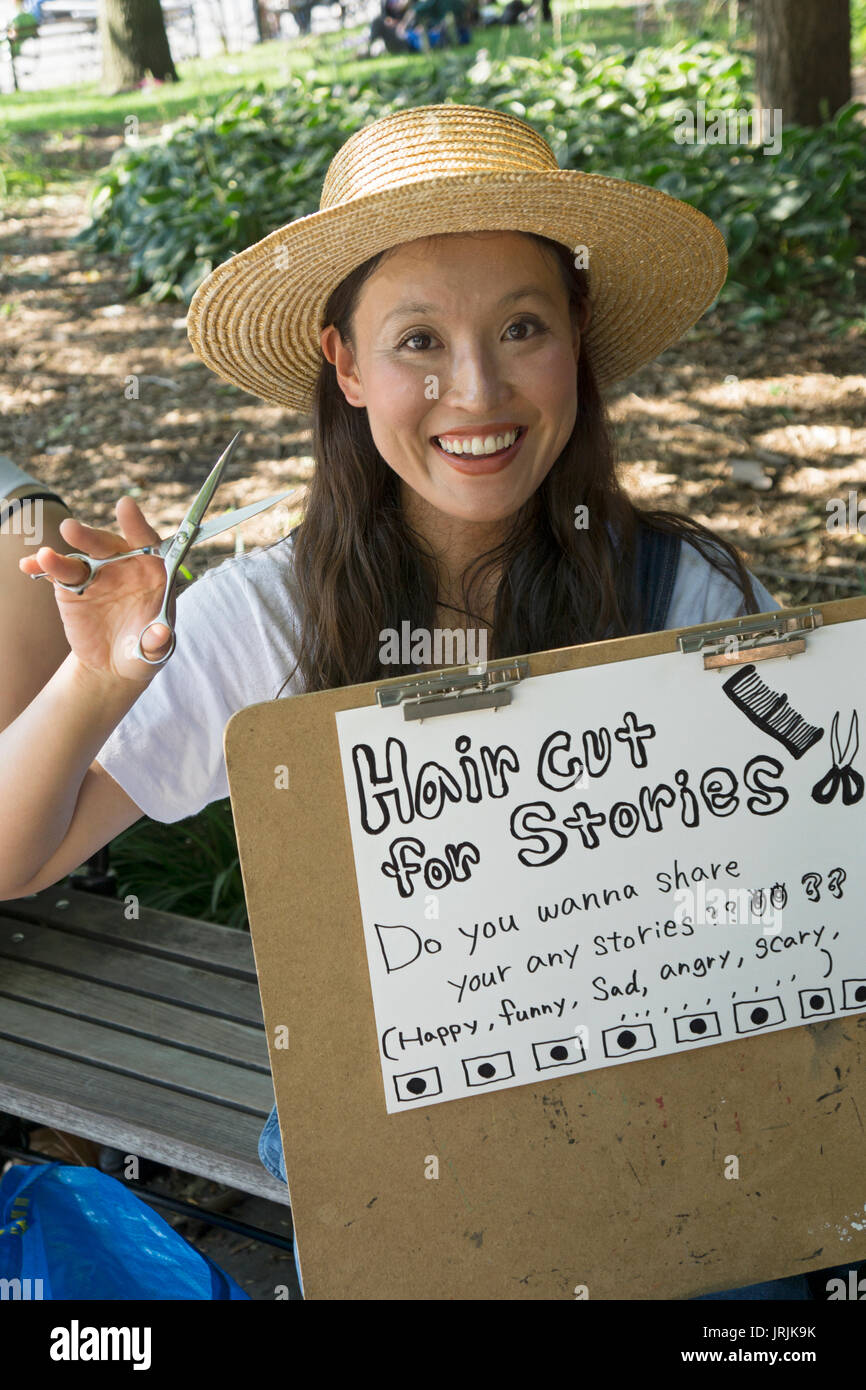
(417, 307)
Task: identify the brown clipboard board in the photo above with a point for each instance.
(544, 1191)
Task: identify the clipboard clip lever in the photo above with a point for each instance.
(760, 638)
(450, 692)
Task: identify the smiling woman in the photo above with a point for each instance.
(452, 348)
(459, 437)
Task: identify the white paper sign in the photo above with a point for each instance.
(630, 860)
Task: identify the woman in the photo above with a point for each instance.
(438, 318)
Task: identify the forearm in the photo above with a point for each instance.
(44, 756)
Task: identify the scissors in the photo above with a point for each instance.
(841, 771)
(173, 550)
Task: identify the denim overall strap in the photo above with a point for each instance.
(658, 556)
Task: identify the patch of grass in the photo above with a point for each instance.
(63, 111)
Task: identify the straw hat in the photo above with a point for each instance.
(654, 263)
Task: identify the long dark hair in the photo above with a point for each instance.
(360, 568)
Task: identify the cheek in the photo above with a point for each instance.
(395, 400)
(554, 380)
(553, 390)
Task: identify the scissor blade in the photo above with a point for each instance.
(229, 520)
(202, 500)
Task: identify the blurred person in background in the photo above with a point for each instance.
(436, 16)
(390, 27)
(22, 26)
(509, 14)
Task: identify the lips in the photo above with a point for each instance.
(482, 462)
(478, 441)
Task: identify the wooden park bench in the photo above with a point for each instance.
(145, 1035)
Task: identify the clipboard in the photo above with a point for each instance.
(544, 1191)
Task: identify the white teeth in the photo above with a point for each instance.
(478, 444)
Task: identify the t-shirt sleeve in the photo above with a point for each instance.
(233, 650)
(703, 595)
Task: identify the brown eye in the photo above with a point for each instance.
(413, 337)
(535, 324)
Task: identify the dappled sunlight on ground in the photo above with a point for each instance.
(785, 401)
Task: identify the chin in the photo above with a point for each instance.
(485, 514)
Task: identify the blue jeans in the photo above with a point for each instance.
(271, 1155)
(793, 1288)
(796, 1286)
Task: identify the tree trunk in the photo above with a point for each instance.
(134, 43)
(260, 23)
(803, 58)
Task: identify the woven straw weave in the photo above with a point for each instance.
(655, 263)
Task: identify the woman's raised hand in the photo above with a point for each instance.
(103, 624)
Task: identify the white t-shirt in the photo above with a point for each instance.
(237, 635)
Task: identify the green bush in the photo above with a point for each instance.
(21, 170)
(191, 867)
(180, 203)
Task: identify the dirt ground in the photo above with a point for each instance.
(789, 399)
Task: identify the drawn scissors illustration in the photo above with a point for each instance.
(841, 771)
(174, 549)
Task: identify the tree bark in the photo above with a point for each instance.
(260, 24)
(803, 58)
(134, 43)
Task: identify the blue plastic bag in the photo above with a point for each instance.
(87, 1236)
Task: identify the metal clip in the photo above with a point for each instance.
(753, 639)
(452, 693)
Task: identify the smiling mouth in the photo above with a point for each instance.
(491, 446)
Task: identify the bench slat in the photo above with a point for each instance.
(138, 1118)
(165, 934)
(135, 1014)
(131, 970)
(138, 1057)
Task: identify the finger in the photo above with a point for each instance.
(91, 540)
(101, 543)
(59, 567)
(28, 564)
(155, 639)
(134, 524)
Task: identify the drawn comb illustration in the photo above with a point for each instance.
(841, 773)
(770, 711)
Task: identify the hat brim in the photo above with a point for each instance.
(654, 263)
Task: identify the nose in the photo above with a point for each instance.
(475, 382)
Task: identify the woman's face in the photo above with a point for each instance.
(465, 358)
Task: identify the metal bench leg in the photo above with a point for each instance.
(96, 876)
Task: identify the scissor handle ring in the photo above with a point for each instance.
(159, 661)
(88, 579)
